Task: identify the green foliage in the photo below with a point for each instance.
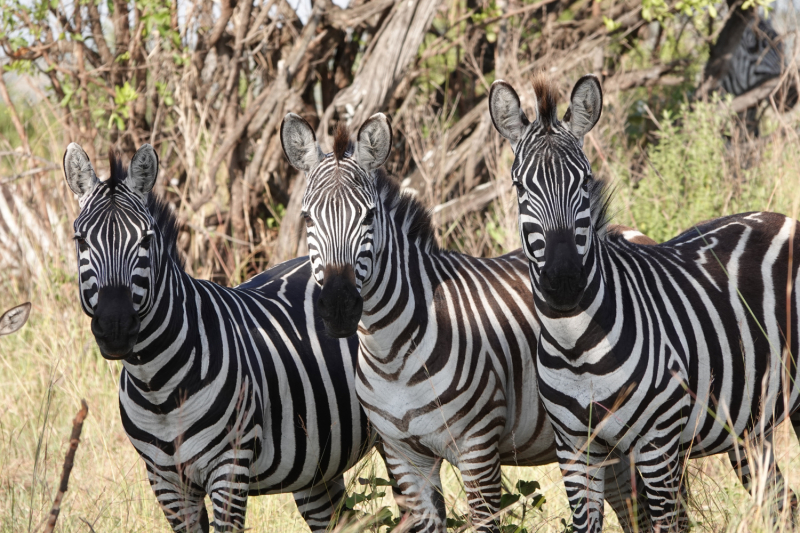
(526, 488)
(610, 24)
(529, 498)
(123, 96)
(684, 173)
(278, 210)
(490, 11)
(157, 19)
(687, 175)
(456, 522)
(164, 93)
(660, 10)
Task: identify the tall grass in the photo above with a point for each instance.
(47, 367)
(693, 173)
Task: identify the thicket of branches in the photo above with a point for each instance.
(208, 82)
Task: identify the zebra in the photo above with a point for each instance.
(446, 367)
(758, 58)
(657, 352)
(225, 392)
(13, 319)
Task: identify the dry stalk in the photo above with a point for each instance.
(69, 461)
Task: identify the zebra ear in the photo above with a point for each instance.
(14, 318)
(586, 104)
(374, 142)
(300, 143)
(507, 115)
(78, 170)
(142, 170)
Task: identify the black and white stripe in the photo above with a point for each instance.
(658, 352)
(446, 368)
(225, 392)
(757, 59)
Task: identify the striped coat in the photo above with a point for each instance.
(225, 392)
(657, 352)
(446, 368)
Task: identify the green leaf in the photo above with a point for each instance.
(125, 56)
(526, 488)
(610, 24)
(124, 94)
(508, 499)
(354, 499)
(380, 482)
(384, 517)
(538, 501)
(455, 523)
(68, 92)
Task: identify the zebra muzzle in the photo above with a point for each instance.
(340, 304)
(115, 323)
(563, 279)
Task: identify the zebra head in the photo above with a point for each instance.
(342, 213)
(554, 183)
(114, 243)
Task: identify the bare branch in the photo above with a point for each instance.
(69, 461)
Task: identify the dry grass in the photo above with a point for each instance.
(53, 362)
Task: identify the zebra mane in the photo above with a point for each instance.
(167, 223)
(546, 99)
(600, 195)
(162, 213)
(117, 170)
(407, 208)
(341, 142)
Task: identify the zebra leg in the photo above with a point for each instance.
(419, 484)
(584, 482)
(480, 470)
(624, 492)
(398, 497)
(183, 503)
(659, 464)
(228, 485)
(776, 490)
(320, 503)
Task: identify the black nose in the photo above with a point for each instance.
(115, 323)
(563, 278)
(564, 281)
(339, 304)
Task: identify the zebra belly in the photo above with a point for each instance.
(417, 416)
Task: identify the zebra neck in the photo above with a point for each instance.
(169, 337)
(586, 335)
(396, 300)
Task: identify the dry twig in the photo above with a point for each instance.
(74, 440)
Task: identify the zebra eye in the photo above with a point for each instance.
(146, 238)
(307, 218)
(370, 217)
(80, 241)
